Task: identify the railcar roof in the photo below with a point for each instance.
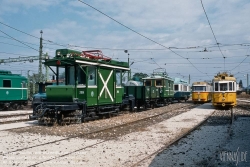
(74, 59)
(158, 77)
(13, 76)
(180, 81)
(200, 83)
(226, 79)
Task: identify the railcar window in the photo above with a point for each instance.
(176, 87)
(61, 75)
(71, 75)
(199, 88)
(216, 86)
(81, 76)
(92, 75)
(7, 83)
(148, 83)
(230, 86)
(223, 87)
(118, 78)
(158, 82)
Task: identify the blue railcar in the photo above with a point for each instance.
(182, 90)
(13, 91)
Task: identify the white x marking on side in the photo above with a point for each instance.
(105, 85)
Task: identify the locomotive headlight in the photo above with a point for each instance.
(58, 53)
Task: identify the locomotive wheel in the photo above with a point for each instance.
(38, 110)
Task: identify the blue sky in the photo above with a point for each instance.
(181, 25)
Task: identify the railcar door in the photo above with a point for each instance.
(106, 86)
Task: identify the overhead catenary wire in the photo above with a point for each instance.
(19, 41)
(240, 63)
(213, 33)
(138, 33)
(122, 49)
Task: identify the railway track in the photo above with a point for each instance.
(7, 117)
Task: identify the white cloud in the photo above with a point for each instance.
(171, 23)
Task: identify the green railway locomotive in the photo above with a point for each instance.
(156, 90)
(13, 91)
(92, 87)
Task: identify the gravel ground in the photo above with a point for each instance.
(212, 144)
(209, 145)
(125, 150)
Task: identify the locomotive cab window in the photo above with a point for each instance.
(7, 83)
(176, 87)
(118, 77)
(91, 75)
(199, 88)
(70, 75)
(148, 83)
(216, 86)
(158, 83)
(230, 86)
(81, 76)
(223, 87)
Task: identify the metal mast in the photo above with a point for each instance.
(40, 73)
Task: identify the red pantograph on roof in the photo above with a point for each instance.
(94, 55)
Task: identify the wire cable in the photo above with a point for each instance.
(130, 28)
(19, 41)
(213, 33)
(18, 30)
(137, 32)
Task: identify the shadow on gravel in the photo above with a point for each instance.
(206, 145)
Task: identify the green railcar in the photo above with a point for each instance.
(92, 87)
(13, 91)
(156, 90)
